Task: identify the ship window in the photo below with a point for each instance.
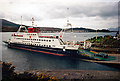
(44, 40)
(49, 45)
(39, 39)
(49, 40)
(44, 45)
(52, 40)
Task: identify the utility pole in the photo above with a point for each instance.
(96, 34)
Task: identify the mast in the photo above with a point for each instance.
(67, 16)
(68, 23)
(21, 20)
(32, 22)
(21, 26)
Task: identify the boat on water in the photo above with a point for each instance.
(33, 40)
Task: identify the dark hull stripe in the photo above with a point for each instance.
(46, 50)
(38, 51)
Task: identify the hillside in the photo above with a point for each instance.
(113, 29)
(78, 30)
(8, 26)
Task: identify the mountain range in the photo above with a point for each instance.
(8, 26)
(113, 29)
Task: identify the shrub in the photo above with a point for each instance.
(8, 74)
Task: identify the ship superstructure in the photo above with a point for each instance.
(32, 40)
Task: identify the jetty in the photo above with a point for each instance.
(113, 63)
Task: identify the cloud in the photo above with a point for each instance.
(83, 13)
(102, 9)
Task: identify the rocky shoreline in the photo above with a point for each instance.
(106, 50)
(78, 74)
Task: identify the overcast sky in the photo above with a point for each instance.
(95, 14)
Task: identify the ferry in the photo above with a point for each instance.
(32, 40)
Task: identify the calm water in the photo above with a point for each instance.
(25, 60)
